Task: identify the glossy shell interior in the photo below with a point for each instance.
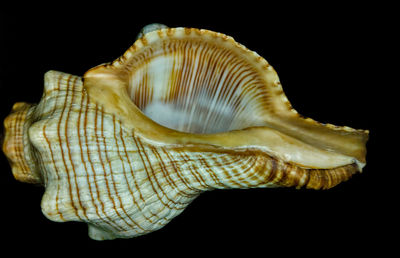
(202, 87)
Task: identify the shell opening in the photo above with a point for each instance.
(197, 87)
(212, 90)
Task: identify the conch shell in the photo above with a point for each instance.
(129, 145)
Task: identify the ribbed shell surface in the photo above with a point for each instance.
(96, 171)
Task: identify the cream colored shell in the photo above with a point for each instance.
(129, 145)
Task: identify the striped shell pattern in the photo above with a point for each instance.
(129, 145)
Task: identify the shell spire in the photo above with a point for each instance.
(16, 144)
(129, 145)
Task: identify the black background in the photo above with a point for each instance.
(325, 58)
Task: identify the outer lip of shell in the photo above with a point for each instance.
(287, 136)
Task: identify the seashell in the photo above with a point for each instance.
(129, 145)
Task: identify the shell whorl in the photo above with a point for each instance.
(105, 160)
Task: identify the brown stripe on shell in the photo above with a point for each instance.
(194, 173)
(131, 173)
(165, 172)
(19, 143)
(175, 204)
(50, 148)
(67, 122)
(289, 175)
(177, 171)
(104, 217)
(57, 173)
(98, 137)
(135, 225)
(84, 113)
(59, 132)
(260, 169)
